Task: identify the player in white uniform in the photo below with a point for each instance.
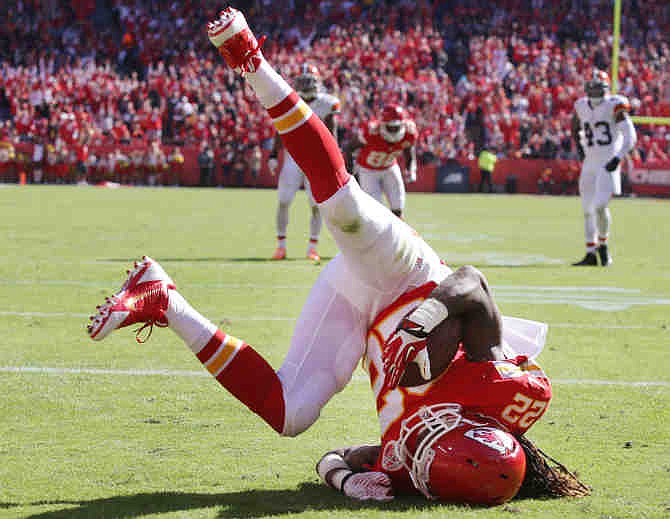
(382, 261)
(604, 135)
(291, 177)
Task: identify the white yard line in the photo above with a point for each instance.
(45, 370)
(520, 289)
(267, 318)
(606, 326)
(594, 298)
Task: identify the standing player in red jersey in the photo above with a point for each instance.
(382, 264)
(376, 164)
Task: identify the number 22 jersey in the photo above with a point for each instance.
(514, 392)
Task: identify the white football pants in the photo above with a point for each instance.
(381, 258)
(386, 182)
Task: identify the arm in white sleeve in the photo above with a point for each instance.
(629, 136)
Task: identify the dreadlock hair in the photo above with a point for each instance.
(547, 480)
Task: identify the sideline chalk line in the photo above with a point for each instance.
(46, 370)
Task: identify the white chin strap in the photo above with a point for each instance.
(595, 101)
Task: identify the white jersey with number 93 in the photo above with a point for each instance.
(599, 135)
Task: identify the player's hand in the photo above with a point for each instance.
(407, 344)
(580, 153)
(375, 486)
(612, 164)
(272, 166)
(410, 176)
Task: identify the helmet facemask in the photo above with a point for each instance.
(307, 86)
(423, 429)
(393, 131)
(597, 87)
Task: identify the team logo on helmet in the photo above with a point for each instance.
(390, 459)
(492, 438)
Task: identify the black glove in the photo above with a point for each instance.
(580, 153)
(612, 164)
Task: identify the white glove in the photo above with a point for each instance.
(375, 486)
(272, 166)
(410, 175)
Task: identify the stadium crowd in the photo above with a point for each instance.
(76, 74)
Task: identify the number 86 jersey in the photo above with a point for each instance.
(599, 135)
(377, 153)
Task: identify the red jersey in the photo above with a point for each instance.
(511, 394)
(378, 153)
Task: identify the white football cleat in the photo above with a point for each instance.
(146, 269)
(231, 35)
(143, 298)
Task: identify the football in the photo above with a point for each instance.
(443, 343)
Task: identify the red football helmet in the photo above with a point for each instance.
(457, 459)
(597, 85)
(307, 82)
(393, 123)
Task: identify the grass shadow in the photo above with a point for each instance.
(250, 504)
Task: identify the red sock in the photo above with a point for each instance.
(311, 144)
(248, 377)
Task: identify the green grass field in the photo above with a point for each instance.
(121, 430)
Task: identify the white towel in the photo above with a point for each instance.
(523, 337)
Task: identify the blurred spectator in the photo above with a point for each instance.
(206, 165)
(487, 162)
(226, 159)
(157, 164)
(120, 168)
(569, 183)
(7, 161)
(5, 106)
(175, 167)
(474, 125)
(472, 73)
(238, 170)
(80, 155)
(545, 182)
(93, 168)
(138, 167)
(37, 162)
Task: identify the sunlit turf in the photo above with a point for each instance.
(117, 429)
